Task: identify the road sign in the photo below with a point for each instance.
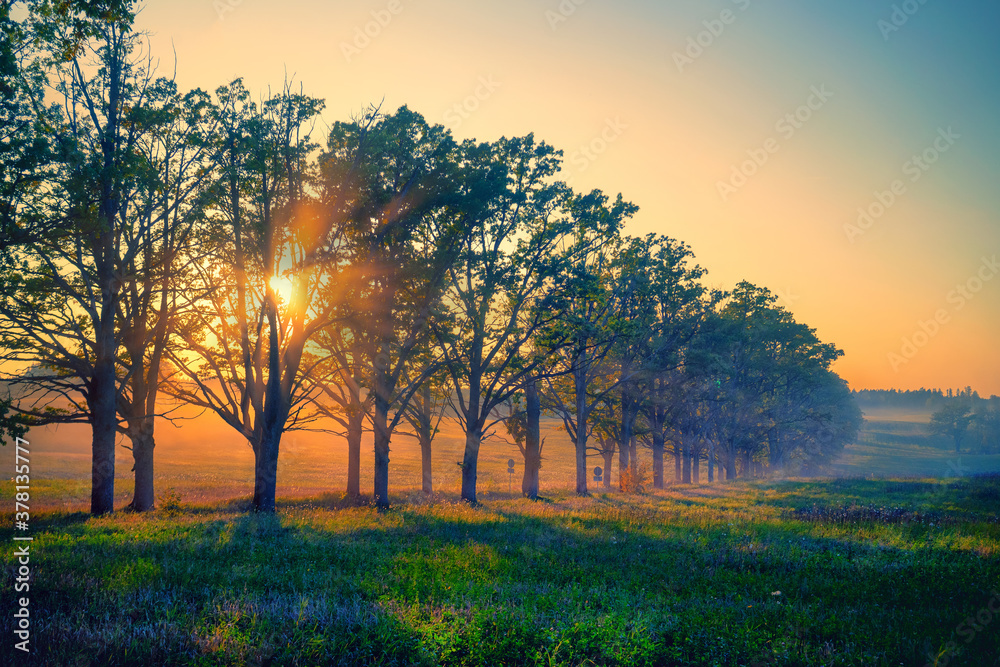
(510, 474)
(597, 474)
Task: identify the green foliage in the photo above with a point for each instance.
(12, 425)
(953, 420)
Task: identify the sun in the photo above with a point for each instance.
(283, 288)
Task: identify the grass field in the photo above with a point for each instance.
(850, 572)
(896, 443)
(860, 570)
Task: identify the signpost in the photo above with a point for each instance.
(510, 474)
(597, 474)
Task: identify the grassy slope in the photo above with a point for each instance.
(858, 572)
(896, 443)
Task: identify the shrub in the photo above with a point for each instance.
(634, 478)
(169, 502)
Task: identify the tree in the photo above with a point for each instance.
(523, 424)
(427, 407)
(501, 288)
(78, 221)
(343, 379)
(407, 200)
(266, 248)
(587, 320)
(174, 140)
(831, 419)
(764, 369)
(952, 420)
(606, 429)
(985, 425)
(660, 305)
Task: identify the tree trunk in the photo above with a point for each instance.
(624, 448)
(470, 464)
(747, 472)
(266, 453)
(609, 460)
(633, 459)
(426, 437)
(532, 441)
(266, 473)
(355, 428)
(142, 456)
(580, 382)
(426, 478)
(695, 466)
(104, 422)
(711, 463)
(380, 491)
(774, 453)
(730, 465)
(677, 460)
(686, 454)
(380, 426)
(276, 408)
(657, 457)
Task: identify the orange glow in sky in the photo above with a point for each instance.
(847, 163)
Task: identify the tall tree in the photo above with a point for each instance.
(77, 237)
(407, 199)
(587, 321)
(175, 144)
(660, 304)
(266, 249)
(502, 288)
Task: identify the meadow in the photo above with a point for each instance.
(857, 570)
(895, 442)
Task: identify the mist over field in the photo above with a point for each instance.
(564, 333)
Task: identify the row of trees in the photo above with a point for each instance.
(163, 248)
(912, 398)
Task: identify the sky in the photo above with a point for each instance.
(845, 155)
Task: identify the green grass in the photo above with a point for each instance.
(840, 572)
(895, 443)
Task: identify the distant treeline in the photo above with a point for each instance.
(930, 399)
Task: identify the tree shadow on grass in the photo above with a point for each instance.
(213, 590)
